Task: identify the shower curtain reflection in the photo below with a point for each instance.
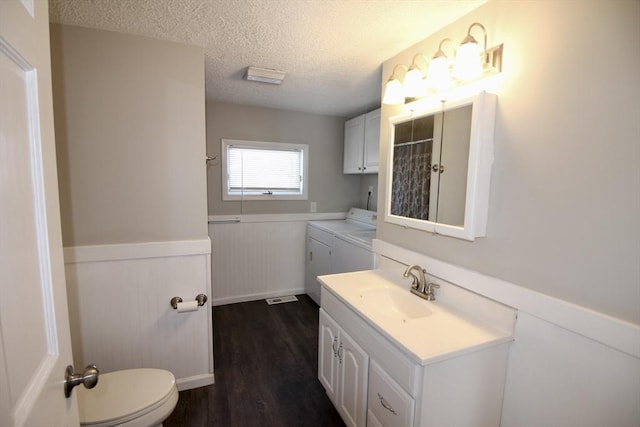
(411, 179)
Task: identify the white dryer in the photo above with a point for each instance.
(352, 251)
(339, 246)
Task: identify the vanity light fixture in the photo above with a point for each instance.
(413, 81)
(265, 75)
(393, 91)
(439, 74)
(470, 64)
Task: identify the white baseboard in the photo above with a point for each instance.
(194, 381)
(257, 296)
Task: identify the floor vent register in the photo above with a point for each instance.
(281, 300)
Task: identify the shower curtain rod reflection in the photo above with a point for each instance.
(402, 144)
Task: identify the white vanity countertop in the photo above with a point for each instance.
(427, 331)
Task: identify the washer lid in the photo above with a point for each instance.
(124, 393)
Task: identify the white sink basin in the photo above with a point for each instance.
(396, 303)
(427, 331)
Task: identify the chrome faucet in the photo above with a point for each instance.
(419, 284)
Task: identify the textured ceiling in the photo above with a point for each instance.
(332, 50)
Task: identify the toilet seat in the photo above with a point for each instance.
(130, 397)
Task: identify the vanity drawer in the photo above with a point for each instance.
(372, 421)
(389, 404)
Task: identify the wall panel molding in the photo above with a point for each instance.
(255, 260)
(113, 252)
(119, 309)
(221, 219)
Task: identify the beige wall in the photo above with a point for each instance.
(328, 186)
(130, 135)
(565, 191)
(366, 182)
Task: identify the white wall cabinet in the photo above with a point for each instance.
(343, 369)
(362, 143)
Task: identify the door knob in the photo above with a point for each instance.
(89, 378)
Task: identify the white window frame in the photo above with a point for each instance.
(262, 145)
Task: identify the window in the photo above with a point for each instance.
(264, 170)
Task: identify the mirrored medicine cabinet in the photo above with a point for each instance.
(439, 166)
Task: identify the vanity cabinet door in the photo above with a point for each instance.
(343, 368)
(328, 343)
(352, 381)
(372, 421)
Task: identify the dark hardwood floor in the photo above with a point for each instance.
(265, 363)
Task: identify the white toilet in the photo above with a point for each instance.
(131, 398)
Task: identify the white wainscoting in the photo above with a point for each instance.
(568, 366)
(258, 256)
(120, 313)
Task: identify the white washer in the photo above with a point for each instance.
(339, 246)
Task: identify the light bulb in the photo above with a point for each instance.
(393, 92)
(468, 64)
(438, 75)
(413, 83)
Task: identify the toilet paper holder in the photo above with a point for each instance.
(201, 298)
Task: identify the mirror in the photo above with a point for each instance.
(440, 165)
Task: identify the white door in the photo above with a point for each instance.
(35, 344)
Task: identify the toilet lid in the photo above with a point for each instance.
(123, 394)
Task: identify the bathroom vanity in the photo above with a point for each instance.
(389, 358)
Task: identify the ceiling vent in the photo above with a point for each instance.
(265, 75)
